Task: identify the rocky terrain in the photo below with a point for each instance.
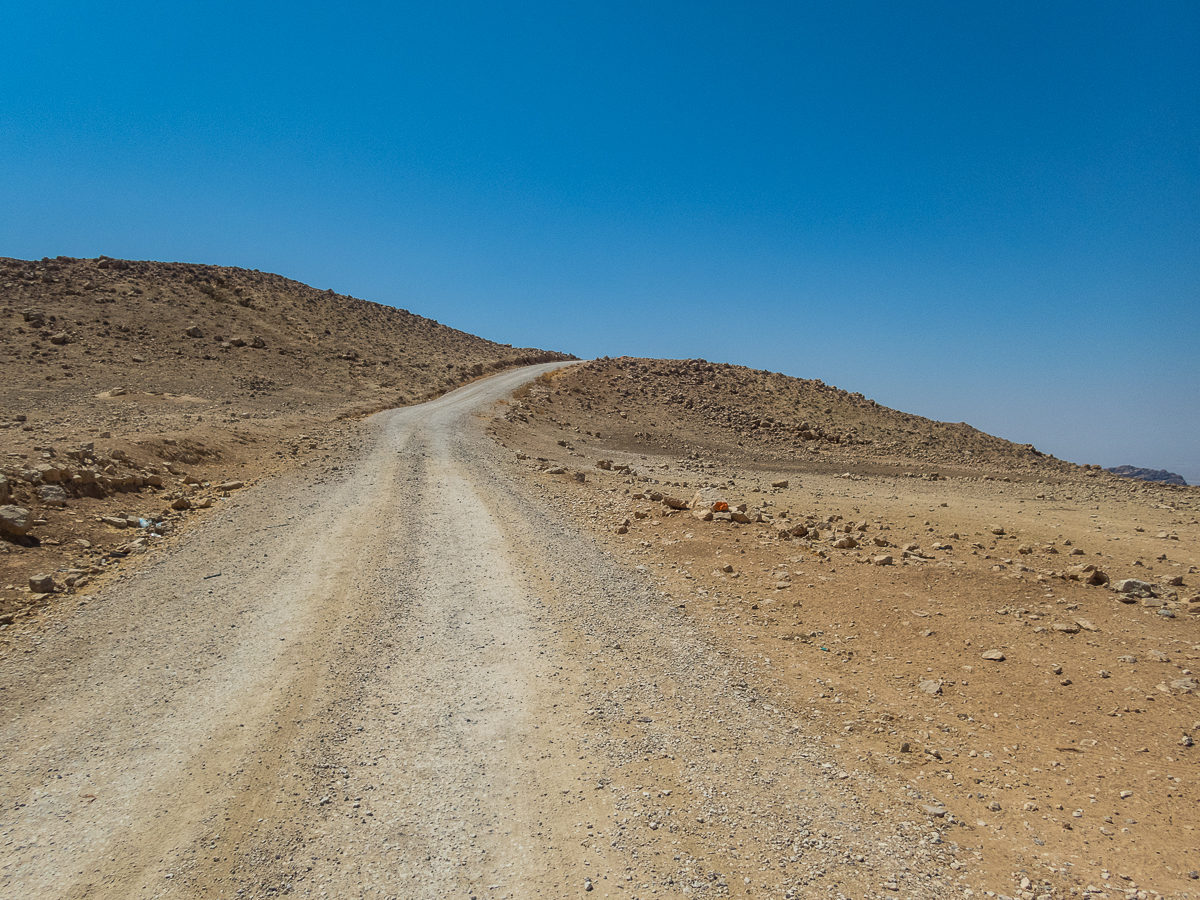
(1012, 636)
(777, 612)
(1159, 475)
(134, 393)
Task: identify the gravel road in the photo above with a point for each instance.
(407, 677)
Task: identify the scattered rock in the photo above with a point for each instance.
(41, 584)
(883, 560)
(1087, 574)
(1132, 586)
(52, 495)
(994, 655)
(15, 521)
(782, 483)
(193, 331)
(930, 686)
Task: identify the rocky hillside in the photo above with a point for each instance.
(723, 409)
(1162, 476)
(71, 328)
(132, 393)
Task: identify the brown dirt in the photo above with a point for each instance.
(1071, 762)
(101, 386)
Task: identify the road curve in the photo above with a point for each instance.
(410, 680)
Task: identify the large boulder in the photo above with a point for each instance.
(15, 521)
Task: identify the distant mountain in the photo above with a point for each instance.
(1159, 475)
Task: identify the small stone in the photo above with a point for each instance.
(994, 656)
(931, 687)
(52, 495)
(41, 584)
(231, 485)
(782, 483)
(997, 529)
(1132, 586)
(193, 331)
(15, 521)
(884, 560)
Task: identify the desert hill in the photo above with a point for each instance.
(673, 405)
(131, 390)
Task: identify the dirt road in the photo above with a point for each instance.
(401, 676)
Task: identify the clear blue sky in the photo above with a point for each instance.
(981, 212)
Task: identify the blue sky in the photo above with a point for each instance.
(984, 212)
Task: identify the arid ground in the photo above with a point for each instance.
(638, 627)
